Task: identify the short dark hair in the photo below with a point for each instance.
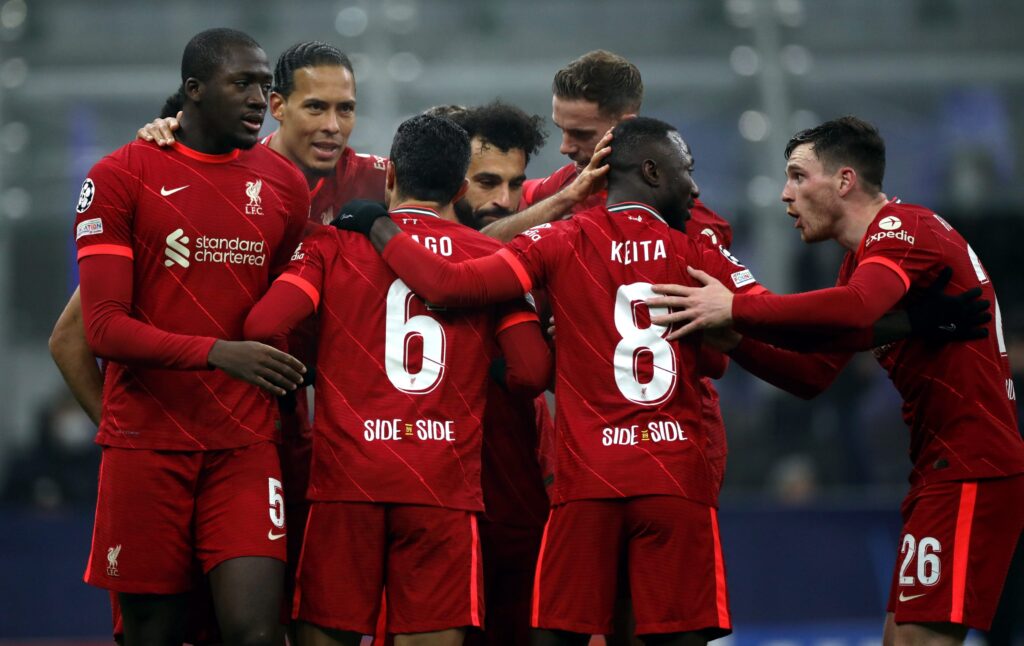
(504, 126)
(313, 53)
(604, 78)
(209, 49)
(431, 155)
(633, 139)
(847, 141)
(451, 110)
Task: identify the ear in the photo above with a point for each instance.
(389, 177)
(847, 180)
(193, 88)
(650, 172)
(277, 102)
(461, 192)
(628, 115)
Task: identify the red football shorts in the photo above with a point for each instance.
(668, 547)
(296, 450)
(429, 558)
(510, 560)
(157, 511)
(956, 546)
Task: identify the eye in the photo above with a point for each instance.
(266, 88)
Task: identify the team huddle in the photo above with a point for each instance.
(432, 499)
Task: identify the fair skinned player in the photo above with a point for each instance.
(624, 395)
(962, 517)
(396, 455)
(200, 442)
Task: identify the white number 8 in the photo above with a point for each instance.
(635, 341)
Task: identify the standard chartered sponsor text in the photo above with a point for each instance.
(235, 251)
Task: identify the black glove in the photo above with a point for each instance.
(359, 216)
(938, 316)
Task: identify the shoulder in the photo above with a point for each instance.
(705, 222)
(469, 239)
(133, 154)
(902, 224)
(275, 166)
(364, 162)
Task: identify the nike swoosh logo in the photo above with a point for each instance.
(165, 192)
(904, 597)
(272, 536)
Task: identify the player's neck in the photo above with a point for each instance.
(192, 134)
(618, 195)
(445, 211)
(855, 223)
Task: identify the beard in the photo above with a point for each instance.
(480, 218)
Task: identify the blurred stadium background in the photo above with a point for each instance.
(809, 508)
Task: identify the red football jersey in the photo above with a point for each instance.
(629, 420)
(400, 385)
(958, 399)
(356, 176)
(205, 233)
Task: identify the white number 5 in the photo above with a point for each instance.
(276, 503)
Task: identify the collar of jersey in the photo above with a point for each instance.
(206, 157)
(860, 247)
(634, 206)
(417, 210)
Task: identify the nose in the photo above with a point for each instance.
(695, 191)
(503, 197)
(332, 124)
(568, 147)
(257, 98)
(787, 195)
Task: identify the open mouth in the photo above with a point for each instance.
(326, 150)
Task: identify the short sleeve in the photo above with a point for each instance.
(106, 209)
(516, 311)
(310, 263)
(724, 266)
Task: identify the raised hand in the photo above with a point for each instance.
(359, 216)
(160, 131)
(697, 308)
